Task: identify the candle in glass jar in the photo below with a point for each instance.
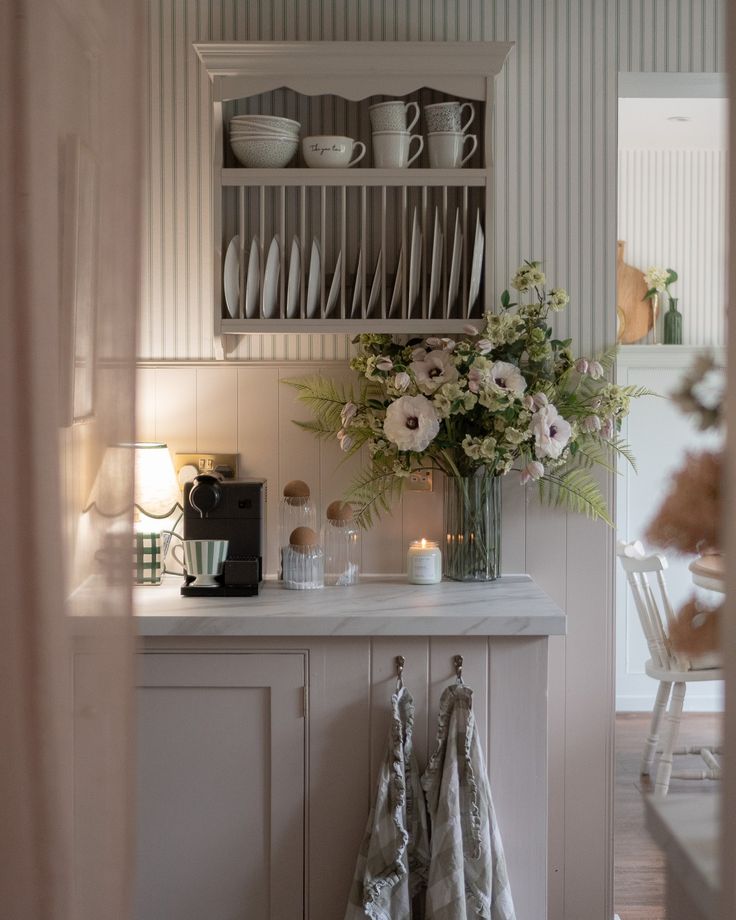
(424, 563)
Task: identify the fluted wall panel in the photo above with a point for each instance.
(555, 138)
(672, 213)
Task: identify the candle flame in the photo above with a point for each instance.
(424, 543)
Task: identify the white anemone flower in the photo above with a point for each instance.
(434, 370)
(411, 423)
(507, 377)
(551, 432)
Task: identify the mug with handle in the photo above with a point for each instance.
(392, 115)
(448, 116)
(391, 149)
(446, 149)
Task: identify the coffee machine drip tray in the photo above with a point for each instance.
(219, 590)
(240, 578)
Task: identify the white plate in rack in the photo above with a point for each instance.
(270, 299)
(457, 248)
(434, 282)
(231, 277)
(333, 298)
(357, 289)
(292, 289)
(252, 281)
(394, 311)
(477, 264)
(375, 295)
(313, 284)
(415, 263)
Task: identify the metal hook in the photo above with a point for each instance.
(400, 662)
(458, 662)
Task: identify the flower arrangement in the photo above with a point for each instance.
(658, 281)
(505, 396)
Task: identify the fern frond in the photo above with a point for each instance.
(373, 491)
(325, 397)
(634, 392)
(577, 491)
(319, 429)
(607, 358)
(619, 446)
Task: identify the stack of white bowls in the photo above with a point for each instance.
(264, 141)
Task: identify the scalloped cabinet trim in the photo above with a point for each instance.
(349, 250)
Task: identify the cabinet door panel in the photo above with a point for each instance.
(220, 786)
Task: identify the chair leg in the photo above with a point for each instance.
(660, 707)
(674, 714)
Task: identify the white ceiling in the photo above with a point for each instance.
(646, 123)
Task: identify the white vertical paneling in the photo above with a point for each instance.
(217, 409)
(145, 404)
(258, 441)
(671, 213)
(176, 400)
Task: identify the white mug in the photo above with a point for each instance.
(448, 116)
(446, 149)
(391, 149)
(391, 116)
(324, 151)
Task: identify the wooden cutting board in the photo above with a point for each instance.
(634, 313)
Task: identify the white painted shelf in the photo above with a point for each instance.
(511, 606)
(412, 230)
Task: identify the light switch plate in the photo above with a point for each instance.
(420, 481)
(202, 462)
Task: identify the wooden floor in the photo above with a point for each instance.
(639, 867)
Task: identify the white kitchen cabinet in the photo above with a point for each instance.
(221, 785)
(249, 810)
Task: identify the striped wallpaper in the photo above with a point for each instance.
(672, 212)
(555, 136)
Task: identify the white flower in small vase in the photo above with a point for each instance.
(551, 432)
(411, 423)
(507, 377)
(434, 370)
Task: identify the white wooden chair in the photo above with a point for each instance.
(673, 670)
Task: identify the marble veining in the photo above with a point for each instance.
(512, 606)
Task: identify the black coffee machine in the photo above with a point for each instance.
(233, 510)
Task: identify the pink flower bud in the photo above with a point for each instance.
(402, 380)
(470, 329)
(349, 411)
(448, 344)
(384, 364)
(591, 423)
(528, 401)
(595, 370)
(484, 346)
(434, 342)
(532, 471)
(581, 365)
(540, 400)
(607, 428)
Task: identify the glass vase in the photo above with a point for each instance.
(673, 324)
(472, 527)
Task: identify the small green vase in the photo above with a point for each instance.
(673, 324)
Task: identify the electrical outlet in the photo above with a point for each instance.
(420, 481)
(188, 466)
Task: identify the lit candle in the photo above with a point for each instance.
(424, 563)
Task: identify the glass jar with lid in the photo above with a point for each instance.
(341, 545)
(296, 509)
(303, 561)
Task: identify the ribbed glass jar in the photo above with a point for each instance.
(341, 541)
(303, 561)
(472, 527)
(296, 509)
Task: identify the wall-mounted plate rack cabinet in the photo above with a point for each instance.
(358, 249)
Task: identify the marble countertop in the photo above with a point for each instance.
(686, 828)
(511, 606)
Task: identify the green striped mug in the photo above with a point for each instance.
(204, 559)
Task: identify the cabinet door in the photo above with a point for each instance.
(221, 786)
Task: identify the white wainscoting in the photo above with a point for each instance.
(660, 436)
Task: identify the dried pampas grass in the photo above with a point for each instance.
(695, 630)
(688, 520)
